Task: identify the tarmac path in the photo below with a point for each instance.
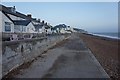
(70, 59)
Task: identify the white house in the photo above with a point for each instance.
(39, 28)
(15, 15)
(23, 26)
(61, 28)
(6, 23)
(13, 21)
(48, 29)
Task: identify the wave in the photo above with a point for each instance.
(107, 36)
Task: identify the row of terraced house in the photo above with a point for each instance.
(14, 22)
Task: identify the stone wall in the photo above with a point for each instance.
(20, 36)
(15, 53)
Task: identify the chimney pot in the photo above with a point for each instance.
(46, 23)
(29, 15)
(14, 7)
(43, 21)
(38, 20)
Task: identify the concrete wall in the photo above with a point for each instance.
(16, 53)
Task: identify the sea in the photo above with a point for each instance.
(109, 35)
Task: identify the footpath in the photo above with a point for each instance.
(69, 59)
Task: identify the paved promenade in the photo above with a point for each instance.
(69, 59)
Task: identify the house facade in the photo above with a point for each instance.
(39, 28)
(15, 22)
(48, 28)
(23, 26)
(6, 23)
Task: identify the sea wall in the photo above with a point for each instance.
(15, 53)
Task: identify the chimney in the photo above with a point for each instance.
(39, 20)
(13, 9)
(29, 15)
(34, 19)
(68, 26)
(43, 21)
(46, 23)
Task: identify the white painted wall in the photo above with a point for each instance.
(42, 30)
(5, 19)
(72, 29)
(1, 21)
(68, 28)
(25, 29)
(30, 28)
(19, 28)
(62, 30)
(49, 31)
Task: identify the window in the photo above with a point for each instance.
(28, 29)
(7, 26)
(24, 29)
